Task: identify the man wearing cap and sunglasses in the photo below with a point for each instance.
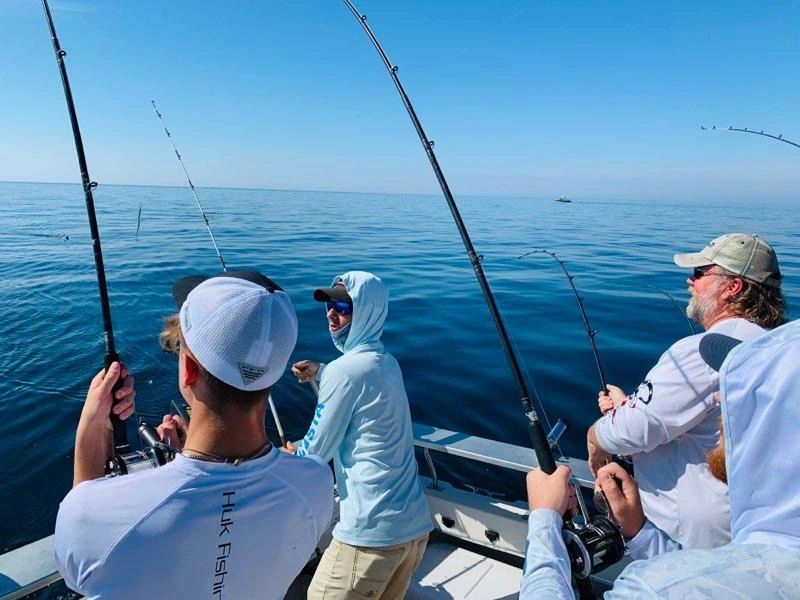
(669, 423)
(362, 422)
(230, 516)
(760, 406)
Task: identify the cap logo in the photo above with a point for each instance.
(251, 373)
(187, 322)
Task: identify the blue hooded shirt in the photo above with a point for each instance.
(363, 423)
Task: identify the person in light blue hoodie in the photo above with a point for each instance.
(363, 423)
(760, 402)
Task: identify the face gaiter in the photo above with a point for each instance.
(339, 337)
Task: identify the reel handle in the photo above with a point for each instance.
(120, 434)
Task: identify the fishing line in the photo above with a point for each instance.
(33, 386)
(677, 305)
(213, 241)
(554, 434)
(599, 542)
(120, 434)
(591, 333)
(61, 236)
(138, 221)
(779, 138)
(191, 186)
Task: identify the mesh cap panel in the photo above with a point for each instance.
(239, 332)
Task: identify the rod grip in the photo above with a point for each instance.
(120, 433)
(541, 447)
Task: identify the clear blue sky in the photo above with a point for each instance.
(595, 99)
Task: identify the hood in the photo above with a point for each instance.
(370, 307)
(760, 385)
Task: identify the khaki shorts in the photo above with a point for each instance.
(356, 572)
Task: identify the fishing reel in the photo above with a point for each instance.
(592, 543)
(154, 453)
(594, 546)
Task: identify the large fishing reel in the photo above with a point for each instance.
(593, 543)
(154, 453)
(593, 546)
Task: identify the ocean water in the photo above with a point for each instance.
(51, 341)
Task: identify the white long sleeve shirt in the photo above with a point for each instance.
(669, 424)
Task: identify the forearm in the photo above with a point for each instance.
(547, 571)
(331, 416)
(591, 437)
(92, 447)
(625, 434)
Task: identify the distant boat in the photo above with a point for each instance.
(563, 199)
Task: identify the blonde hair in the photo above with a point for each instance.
(171, 339)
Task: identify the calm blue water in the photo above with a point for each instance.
(439, 328)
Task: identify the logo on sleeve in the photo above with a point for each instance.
(644, 393)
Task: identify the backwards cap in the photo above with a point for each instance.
(239, 325)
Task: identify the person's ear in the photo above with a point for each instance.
(735, 286)
(191, 370)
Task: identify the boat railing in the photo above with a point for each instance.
(500, 454)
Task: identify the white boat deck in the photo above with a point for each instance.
(450, 572)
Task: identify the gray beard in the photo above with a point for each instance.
(703, 308)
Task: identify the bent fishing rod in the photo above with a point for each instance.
(779, 138)
(538, 437)
(598, 543)
(272, 408)
(591, 333)
(120, 434)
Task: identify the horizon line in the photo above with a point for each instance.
(217, 187)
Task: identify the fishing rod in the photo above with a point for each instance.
(677, 305)
(779, 138)
(591, 333)
(213, 241)
(120, 434)
(277, 421)
(535, 429)
(191, 186)
(599, 543)
(138, 221)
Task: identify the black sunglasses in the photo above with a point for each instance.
(701, 271)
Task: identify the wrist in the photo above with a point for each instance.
(631, 530)
(532, 506)
(548, 513)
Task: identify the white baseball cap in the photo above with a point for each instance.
(239, 325)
